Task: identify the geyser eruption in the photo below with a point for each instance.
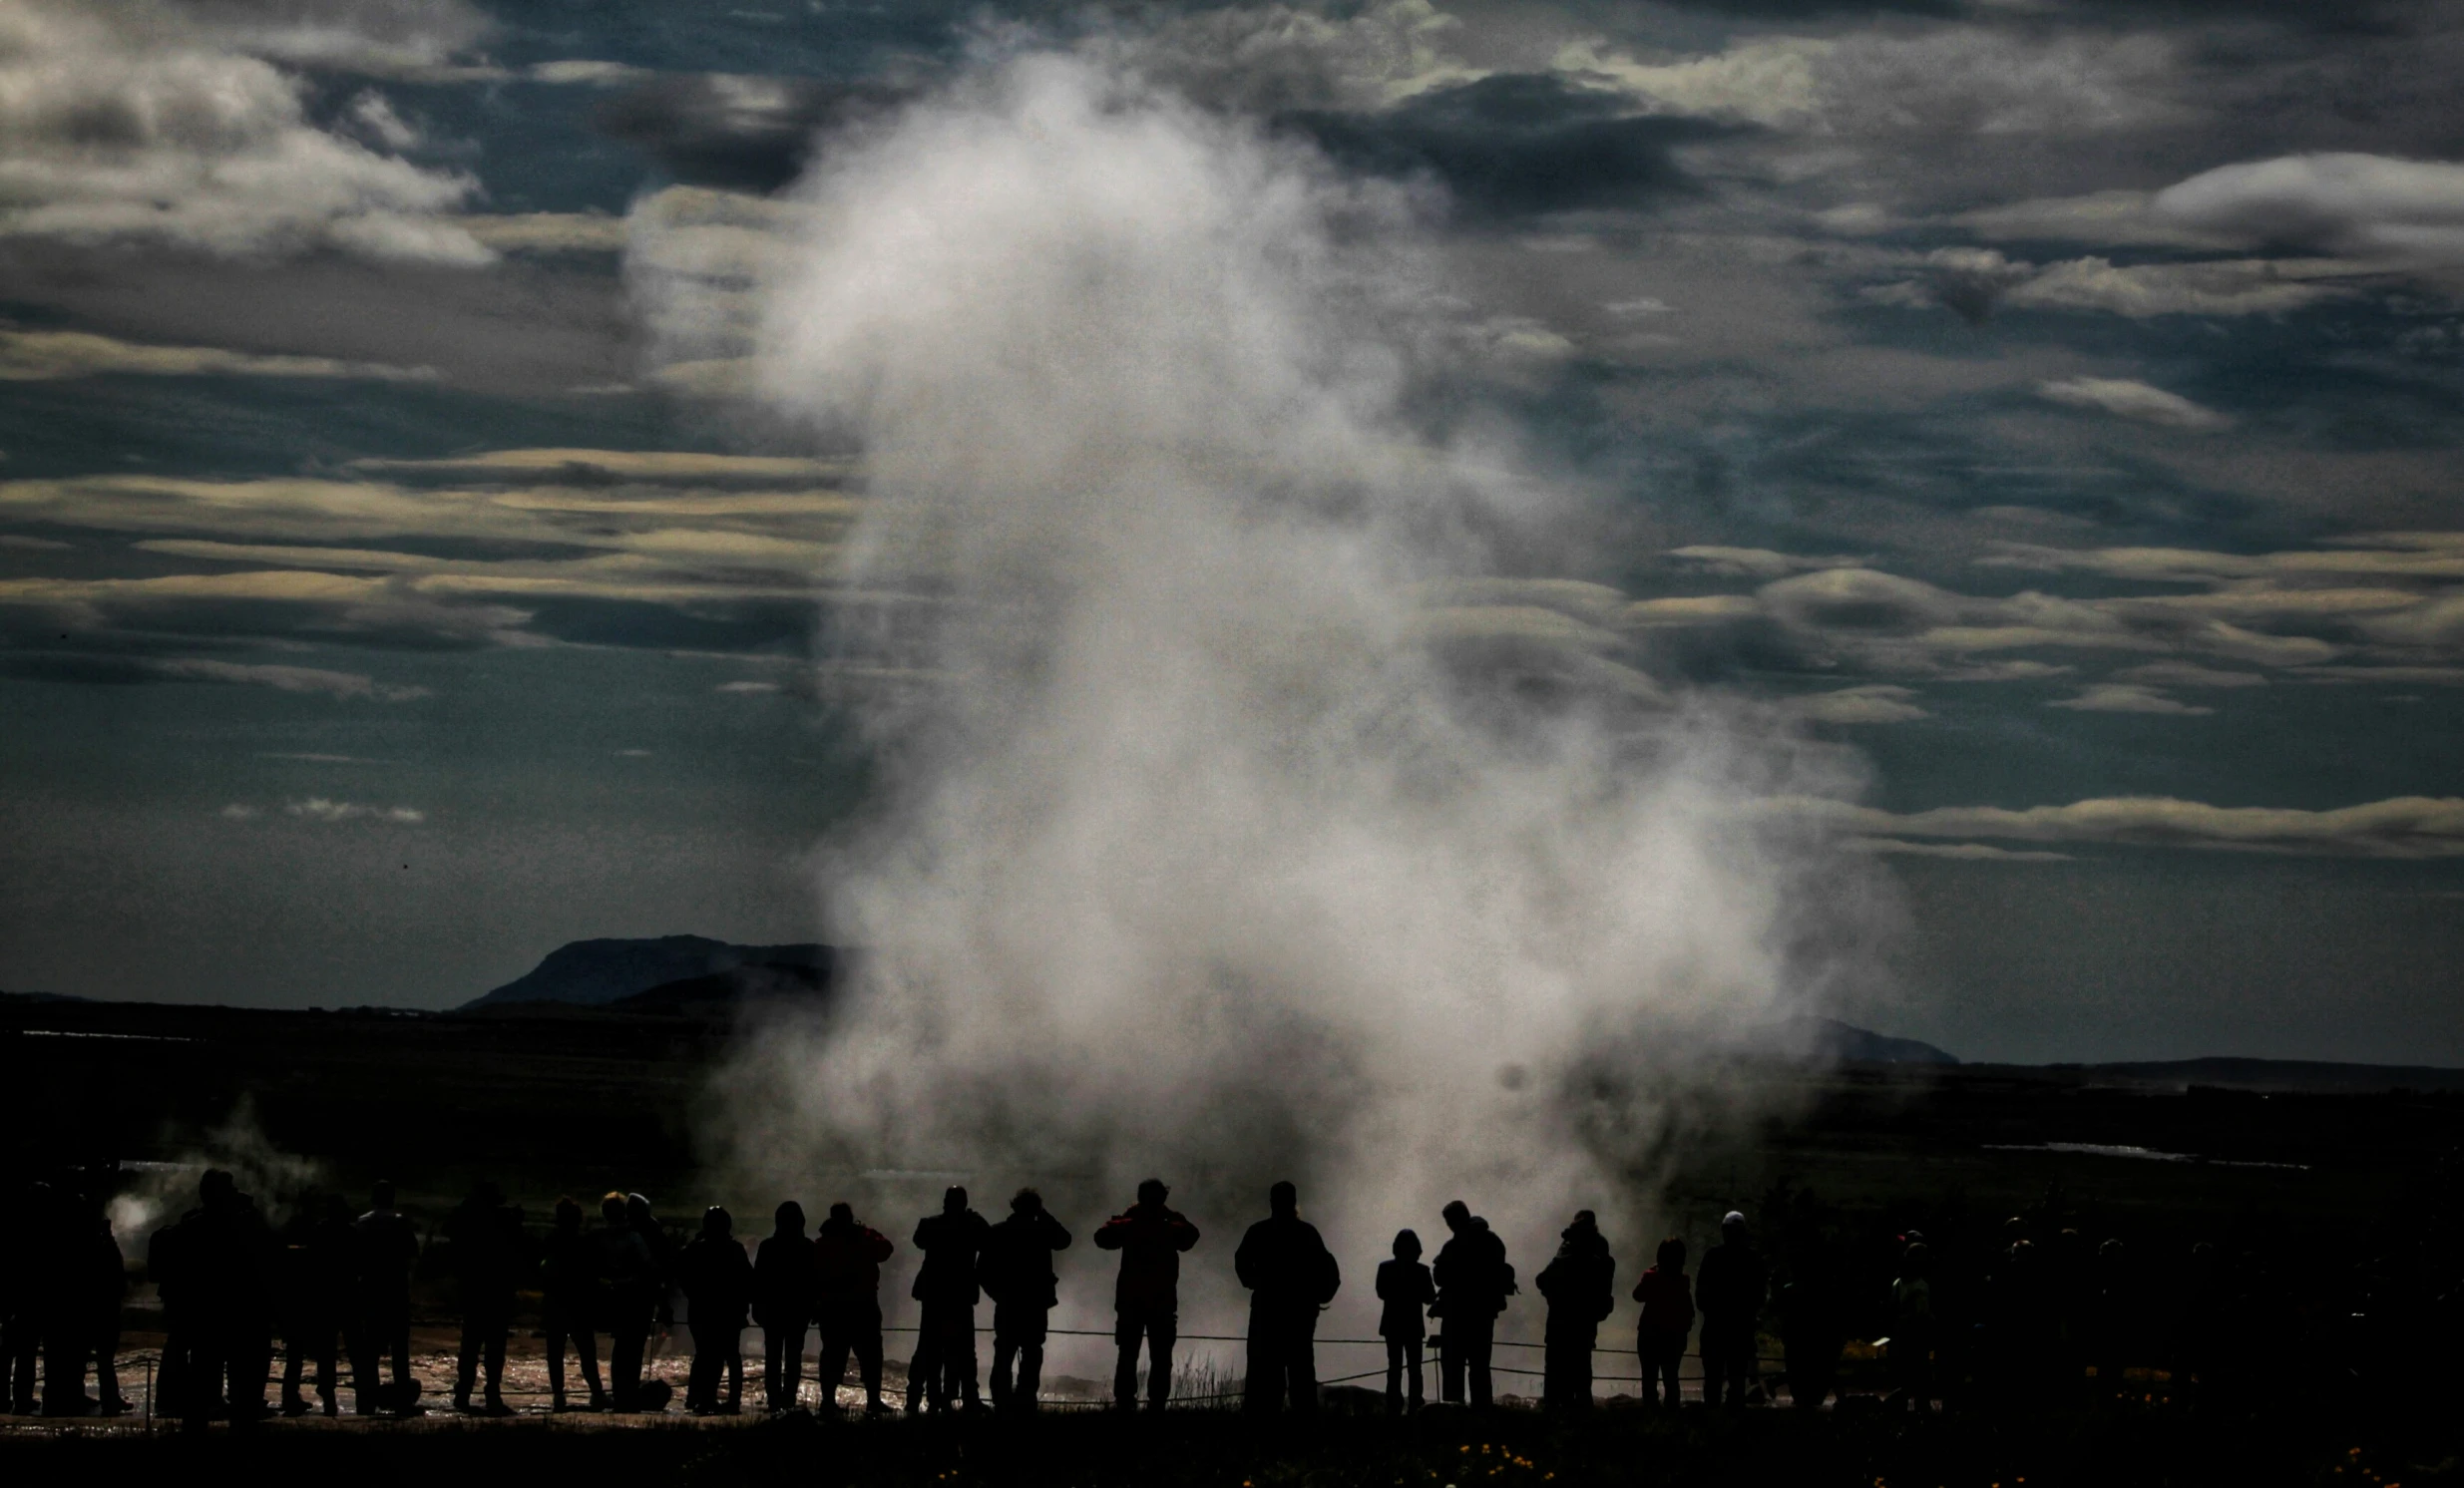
(1244, 808)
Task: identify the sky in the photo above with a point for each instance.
(2048, 408)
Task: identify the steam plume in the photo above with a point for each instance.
(1240, 813)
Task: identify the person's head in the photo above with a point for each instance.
(788, 1217)
(2110, 1252)
(954, 1200)
(1671, 1255)
(842, 1212)
(1283, 1199)
(1584, 1219)
(216, 1187)
(1457, 1214)
(1153, 1191)
(484, 1191)
(637, 1209)
(1407, 1246)
(717, 1223)
(1026, 1201)
(1919, 1256)
(381, 1195)
(568, 1214)
(612, 1208)
(1733, 1226)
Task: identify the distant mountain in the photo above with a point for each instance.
(2311, 1077)
(597, 973)
(720, 995)
(41, 998)
(1829, 1038)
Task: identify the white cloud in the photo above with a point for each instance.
(2401, 827)
(1966, 852)
(2128, 398)
(319, 809)
(1757, 563)
(2368, 205)
(287, 679)
(1768, 82)
(748, 688)
(2245, 286)
(2189, 674)
(121, 122)
(2128, 697)
(587, 73)
(1869, 704)
(51, 356)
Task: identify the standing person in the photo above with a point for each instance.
(1290, 1274)
(1730, 1292)
(1146, 1298)
(944, 1361)
(167, 1267)
(1406, 1290)
(232, 1250)
(2113, 1323)
(1473, 1281)
(384, 1245)
(1668, 1320)
(21, 1334)
(1914, 1332)
(486, 1244)
(630, 1293)
(1017, 1273)
(567, 1298)
(316, 1290)
(1580, 1283)
(1812, 1333)
(718, 1288)
(663, 1248)
(783, 1304)
(102, 1285)
(847, 1257)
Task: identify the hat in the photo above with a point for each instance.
(1733, 1217)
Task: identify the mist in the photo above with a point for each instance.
(1263, 785)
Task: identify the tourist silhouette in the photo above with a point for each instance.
(1666, 1323)
(783, 1302)
(1406, 1291)
(943, 1370)
(1812, 1325)
(313, 1285)
(384, 1248)
(719, 1289)
(1914, 1334)
(230, 1251)
(1580, 1283)
(847, 1257)
(1473, 1282)
(1016, 1271)
(97, 1282)
(1146, 1296)
(485, 1246)
(1290, 1274)
(1729, 1290)
(630, 1293)
(569, 1304)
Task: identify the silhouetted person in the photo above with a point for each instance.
(1667, 1321)
(59, 1234)
(719, 1289)
(485, 1247)
(315, 1291)
(1915, 1329)
(1473, 1281)
(653, 1393)
(1016, 1271)
(2022, 1334)
(1580, 1283)
(2202, 1324)
(385, 1245)
(21, 1266)
(1405, 1291)
(1729, 1290)
(629, 1291)
(1146, 1298)
(847, 1257)
(568, 1302)
(943, 1370)
(1813, 1328)
(783, 1303)
(100, 1282)
(232, 1253)
(1290, 1274)
(2113, 1323)
(174, 1289)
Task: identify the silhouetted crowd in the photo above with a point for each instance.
(2037, 1318)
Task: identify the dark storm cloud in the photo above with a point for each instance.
(1521, 142)
(741, 132)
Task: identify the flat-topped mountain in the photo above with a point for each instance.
(597, 973)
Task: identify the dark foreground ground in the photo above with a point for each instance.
(1505, 1449)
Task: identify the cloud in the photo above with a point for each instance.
(750, 689)
(1965, 852)
(2189, 674)
(287, 679)
(2401, 827)
(587, 73)
(2130, 399)
(319, 809)
(546, 232)
(137, 124)
(1277, 58)
(741, 132)
(1869, 704)
(51, 356)
(604, 466)
(2366, 206)
(1756, 563)
(1974, 283)
(2128, 697)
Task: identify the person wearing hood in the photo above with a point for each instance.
(1581, 1284)
(1731, 1290)
(783, 1305)
(718, 1288)
(1473, 1281)
(1291, 1276)
(847, 1258)
(1151, 1238)
(944, 1370)
(1016, 1271)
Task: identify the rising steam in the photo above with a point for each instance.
(1246, 806)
